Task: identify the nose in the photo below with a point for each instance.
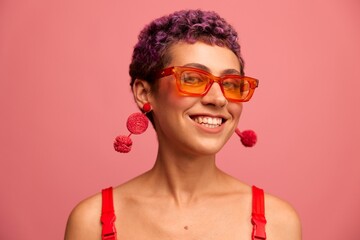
(214, 96)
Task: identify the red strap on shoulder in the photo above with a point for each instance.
(108, 215)
(258, 214)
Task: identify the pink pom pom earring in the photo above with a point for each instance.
(248, 137)
(137, 123)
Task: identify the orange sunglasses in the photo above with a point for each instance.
(197, 82)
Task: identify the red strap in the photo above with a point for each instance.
(258, 214)
(108, 215)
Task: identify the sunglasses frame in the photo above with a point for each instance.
(176, 71)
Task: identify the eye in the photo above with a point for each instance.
(193, 78)
(232, 84)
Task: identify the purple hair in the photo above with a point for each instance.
(150, 53)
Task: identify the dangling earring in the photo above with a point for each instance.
(248, 137)
(137, 123)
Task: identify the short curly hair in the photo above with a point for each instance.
(150, 53)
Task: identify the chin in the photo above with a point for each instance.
(208, 149)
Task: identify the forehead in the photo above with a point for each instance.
(215, 58)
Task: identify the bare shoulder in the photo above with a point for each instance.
(283, 221)
(84, 220)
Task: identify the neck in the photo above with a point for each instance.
(185, 177)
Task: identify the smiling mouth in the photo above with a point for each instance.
(209, 122)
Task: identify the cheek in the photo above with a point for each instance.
(235, 109)
(165, 96)
(168, 97)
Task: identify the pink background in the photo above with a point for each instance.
(64, 96)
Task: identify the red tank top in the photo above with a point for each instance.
(257, 217)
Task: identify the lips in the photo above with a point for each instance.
(207, 121)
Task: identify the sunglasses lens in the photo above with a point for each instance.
(193, 82)
(236, 88)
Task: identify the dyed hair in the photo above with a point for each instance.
(150, 53)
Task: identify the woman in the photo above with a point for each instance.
(187, 75)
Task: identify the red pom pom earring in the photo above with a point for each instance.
(137, 123)
(248, 137)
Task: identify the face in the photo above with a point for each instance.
(196, 125)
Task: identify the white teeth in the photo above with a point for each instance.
(210, 122)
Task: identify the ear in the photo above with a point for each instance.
(142, 92)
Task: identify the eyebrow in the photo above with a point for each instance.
(229, 71)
